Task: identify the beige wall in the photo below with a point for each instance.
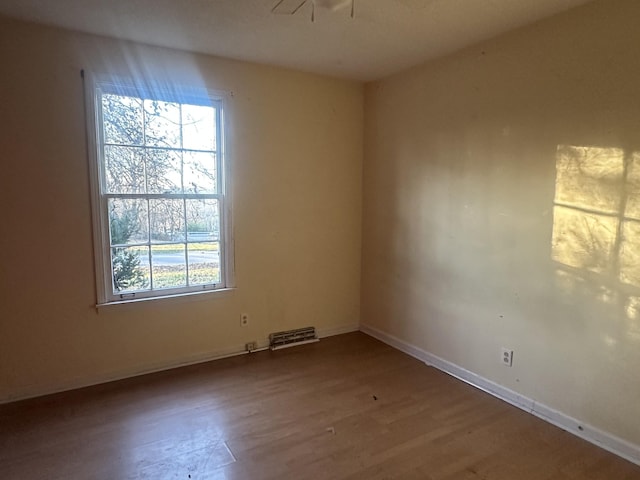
(465, 249)
(296, 172)
(465, 246)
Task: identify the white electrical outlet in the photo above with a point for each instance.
(244, 319)
(506, 357)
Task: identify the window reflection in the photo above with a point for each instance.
(597, 211)
(596, 225)
(589, 177)
(583, 239)
(633, 313)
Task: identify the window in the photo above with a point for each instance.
(161, 212)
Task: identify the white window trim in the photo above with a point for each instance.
(101, 240)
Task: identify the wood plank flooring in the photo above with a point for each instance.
(348, 407)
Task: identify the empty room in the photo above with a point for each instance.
(320, 239)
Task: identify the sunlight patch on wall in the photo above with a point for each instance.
(632, 187)
(632, 309)
(575, 285)
(596, 226)
(589, 177)
(596, 223)
(583, 240)
(630, 253)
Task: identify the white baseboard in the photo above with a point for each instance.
(339, 330)
(605, 440)
(32, 391)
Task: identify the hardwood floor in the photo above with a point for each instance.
(348, 407)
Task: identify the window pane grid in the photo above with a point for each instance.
(187, 196)
(186, 226)
(139, 170)
(154, 261)
(173, 258)
(169, 149)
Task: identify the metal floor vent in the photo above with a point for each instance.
(291, 338)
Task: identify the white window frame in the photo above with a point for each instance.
(95, 85)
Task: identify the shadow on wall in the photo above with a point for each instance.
(596, 227)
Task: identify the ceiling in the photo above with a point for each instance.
(385, 36)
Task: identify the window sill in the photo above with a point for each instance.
(175, 298)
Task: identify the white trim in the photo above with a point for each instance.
(97, 217)
(339, 330)
(94, 85)
(32, 391)
(226, 139)
(175, 298)
(605, 440)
